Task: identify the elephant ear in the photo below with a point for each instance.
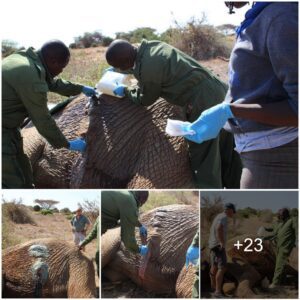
(110, 244)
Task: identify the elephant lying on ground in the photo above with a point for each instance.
(126, 148)
(245, 269)
(47, 268)
(171, 231)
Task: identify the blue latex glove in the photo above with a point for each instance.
(192, 256)
(120, 90)
(143, 231)
(77, 145)
(89, 91)
(143, 250)
(210, 122)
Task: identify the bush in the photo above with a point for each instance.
(55, 210)
(198, 40)
(246, 212)
(65, 210)
(69, 216)
(17, 213)
(36, 208)
(46, 212)
(266, 215)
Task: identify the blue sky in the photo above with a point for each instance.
(67, 198)
(32, 22)
(273, 200)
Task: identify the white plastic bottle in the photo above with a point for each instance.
(110, 80)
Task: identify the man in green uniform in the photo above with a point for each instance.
(192, 256)
(285, 232)
(27, 76)
(121, 208)
(164, 71)
(92, 235)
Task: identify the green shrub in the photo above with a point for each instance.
(36, 208)
(65, 211)
(69, 216)
(46, 212)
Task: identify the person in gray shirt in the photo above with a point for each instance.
(217, 244)
(261, 105)
(80, 224)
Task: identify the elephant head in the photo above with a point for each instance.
(173, 228)
(47, 268)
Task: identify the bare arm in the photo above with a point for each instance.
(220, 235)
(279, 113)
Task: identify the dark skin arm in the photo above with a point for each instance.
(278, 114)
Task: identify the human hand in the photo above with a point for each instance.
(192, 255)
(120, 90)
(143, 250)
(77, 145)
(210, 122)
(143, 231)
(89, 91)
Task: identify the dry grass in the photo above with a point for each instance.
(85, 67)
(159, 198)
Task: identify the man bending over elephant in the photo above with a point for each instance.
(92, 235)
(192, 256)
(27, 76)
(164, 71)
(121, 208)
(284, 236)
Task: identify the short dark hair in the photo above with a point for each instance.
(55, 49)
(119, 52)
(141, 196)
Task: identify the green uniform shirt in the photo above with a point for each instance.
(92, 235)
(25, 83)
(164, 71)
(121, 206)
(285, 234)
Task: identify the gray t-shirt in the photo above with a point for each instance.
(213, 237)
(80, 223)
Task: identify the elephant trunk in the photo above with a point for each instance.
(153, 252)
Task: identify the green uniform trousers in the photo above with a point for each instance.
(16, 167)
(215, 163)
(97, 261)
(195, 291)
(281, 259)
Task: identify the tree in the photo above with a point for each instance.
(46, 204)
(90, 208)
(227, 29)
(8, 47)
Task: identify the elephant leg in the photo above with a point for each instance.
(113, 275)
(247, 276)
(246, 281)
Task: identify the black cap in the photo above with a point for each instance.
(230, 206)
